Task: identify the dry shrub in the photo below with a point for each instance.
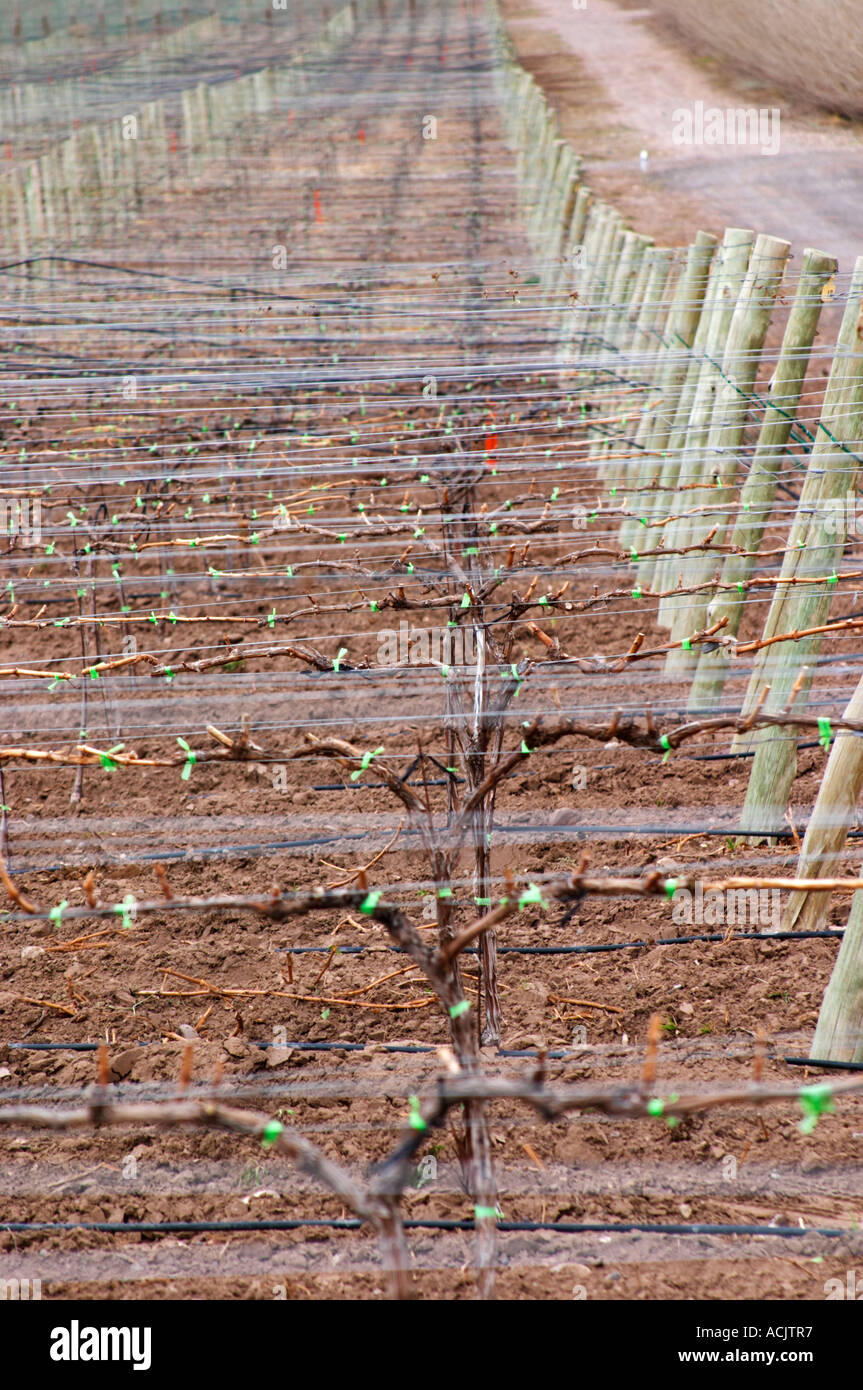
(814, 47)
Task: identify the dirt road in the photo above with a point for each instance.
(617, 80)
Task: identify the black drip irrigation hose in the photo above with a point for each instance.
(262, 848)
(504, 950)
(823, 1062)
(354, 1224)
(825, 934)
(587, 950)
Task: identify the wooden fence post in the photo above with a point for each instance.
(839, 1033)
(653, 567)
(834, 811)
(685, 328)
(759, 489)
(731, 267)
(813, 550)
(646, 347)
(717, 470)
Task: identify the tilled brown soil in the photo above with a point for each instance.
(352, 1034)
(727, 1167)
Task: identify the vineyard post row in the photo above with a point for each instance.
(692, 324)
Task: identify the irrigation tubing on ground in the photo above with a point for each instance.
(349, 1223)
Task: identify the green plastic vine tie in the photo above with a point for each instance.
(272, 1130)
(670, 887)
(56, 913)
(415, 1119)
(366, 759)
(664, 743)
(532, 894)
(825, 734)
(370, 902)
(107, 760)
(126, 910)
(671, 1120)
(191, 759)
(456, 1010)
(815, 1101)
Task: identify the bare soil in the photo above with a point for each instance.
(230, 828)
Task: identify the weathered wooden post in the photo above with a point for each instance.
(573, 234)
(813, 551)
(732, 263)
(602, 247)
(833, 814)
(621, 287)
(629, 260)
(685, 323)
(18, 204)
(560, 230)
(33, 195)
(717, 470)
(839, 1033)
(651, 569)
(759, 489)
(643, 341)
